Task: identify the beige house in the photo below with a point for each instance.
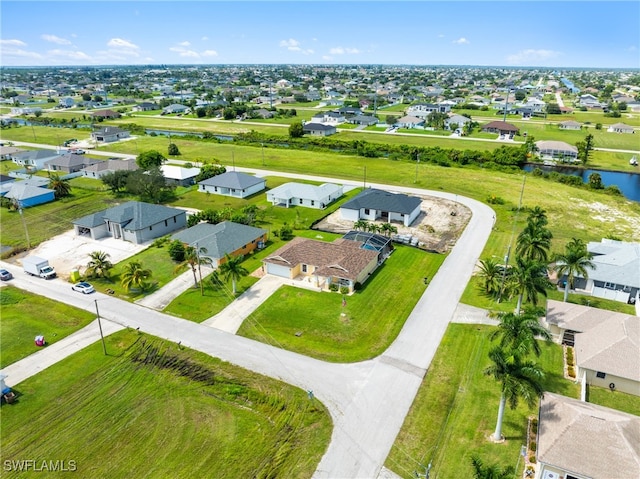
(620, 128)
(579, 440)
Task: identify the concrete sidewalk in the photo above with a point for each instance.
(51, 354)
(160, 299)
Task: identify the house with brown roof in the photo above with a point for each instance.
(501, 128)
(106, 114)
(342, 262)
(579, 440)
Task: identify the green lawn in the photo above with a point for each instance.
(25, 315)
(152, 410)
(456, 408)
(362, 329)
(614, 399)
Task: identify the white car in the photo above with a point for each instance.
(83, 287)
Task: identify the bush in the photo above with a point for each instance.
(333, 287)
(344, 290)
(177, 251)
(571, 372)
(495, 200)
(532, 446)
(285, 233)
(173, 149)
(532, 459)
(613, 190)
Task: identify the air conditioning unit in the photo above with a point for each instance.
(550, 475)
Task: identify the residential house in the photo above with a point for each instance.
(620, 128)
(349, 111)
(423, 110)
(501, 128)
(458, 120)
(301, 194)
(536, 105)
(557, 150)
(366, 120)
(7, 152)
(6, 182)
(589, 101)
(34, 159)
(109, 134)
(26, 195)
(579, 440)
(342, 262)
(226, 238)
(133, 221)
(232, 183)
(69, 163)
(145, 106)
(106, 114)
(26, 110)
(318, 129)
(409, 121)
(570, 125)
(179, 176)
(328, 118)
(66, 102)
(262, 113)
(174, 108)
(101, 168)
(378, 205)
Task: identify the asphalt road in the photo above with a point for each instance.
(368, 401)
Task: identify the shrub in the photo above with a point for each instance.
(177, 251)
(532, 446)
(495, 200)
(532, 459)
(344, 290)
(333, 287)
(571, 372)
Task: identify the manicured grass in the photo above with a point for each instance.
(362, 329)
(152, 409)
(456, 409)
(25, 315)
(614, 400)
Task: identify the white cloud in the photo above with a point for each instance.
(293, 45)
(531, 56)
(13, 42)
(204, 39)
(121, 43)
(461, 41)
(343, 51)
(71, 54)
(19, 53)
(55, 39)
(184, 44)
(327, 57)
(209, 53)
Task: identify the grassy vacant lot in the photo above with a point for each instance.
(26, 315)
(456, 409)
(362, 329)
(150, 409)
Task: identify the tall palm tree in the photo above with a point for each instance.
(575, 261)
(134, 276)
(527, 279)
(537, 216)
(360, 225)
(99, 265)
(491, 275)
(518, 378)
(61, 187)
(534, 242)
(490, 471)
(193, 256)
(518, 332)
(233, 270)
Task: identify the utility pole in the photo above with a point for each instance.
(417, 163)
(199, 269)
(513, 231)
(364, 179)
(262, 145)
(24, 223)
(104, 346)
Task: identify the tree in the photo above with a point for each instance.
(116, 181)
(97, 98)
(584, 148)
(575, 261)
(209, 170)
(177, 251)
(86, 96)
(193, 256)
(149, 159)
(534, 242)
(518, 332)
(61, 187)
(150, 185)
(233, 270)
(360, 225)
(98, 265)
(595, 181)
(490, 471)
(518, 378)
(391, 119)
(437, 119)
(296, 130)
(520, 95)
(173, 149)
(527, 279)
(491, 275)
(553, 109)
(134, 276)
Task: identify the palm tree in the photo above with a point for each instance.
(99, 265)
(61, 187)
(537, 216)
(134, 276)
(360, 225)
(518, 332)
(575, 261)
(491, 275)
(518, 378)
(233, 270)
(193, 257)
(527, 279)
(490, 471)
(534, 242)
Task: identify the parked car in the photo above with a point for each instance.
(5, 275)
(78, 151)
(83, 287)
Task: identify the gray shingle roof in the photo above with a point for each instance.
(305, 191)
(220, 239)
(318, 127)
(22, 191)
(134, 215)
(383, 201)
(233, 179)
(589, 440)
(616, 262)
(70, 160)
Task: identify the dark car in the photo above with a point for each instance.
(5, 275)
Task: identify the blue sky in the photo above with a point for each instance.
(510, 33)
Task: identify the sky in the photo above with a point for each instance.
(588, 34)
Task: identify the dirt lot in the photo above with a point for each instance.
(437, 228)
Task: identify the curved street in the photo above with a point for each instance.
(368, 401)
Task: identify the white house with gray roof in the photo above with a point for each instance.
(579, 440)
(233, 183)
(34, 158)
(379, 205)
(133, 221)
(301, 194)
(178, 175)
(216, 241)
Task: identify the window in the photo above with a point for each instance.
(304, 268)
(601, 375)
(366, 211)
(300, 201)
(313, 202)
(166, 223)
